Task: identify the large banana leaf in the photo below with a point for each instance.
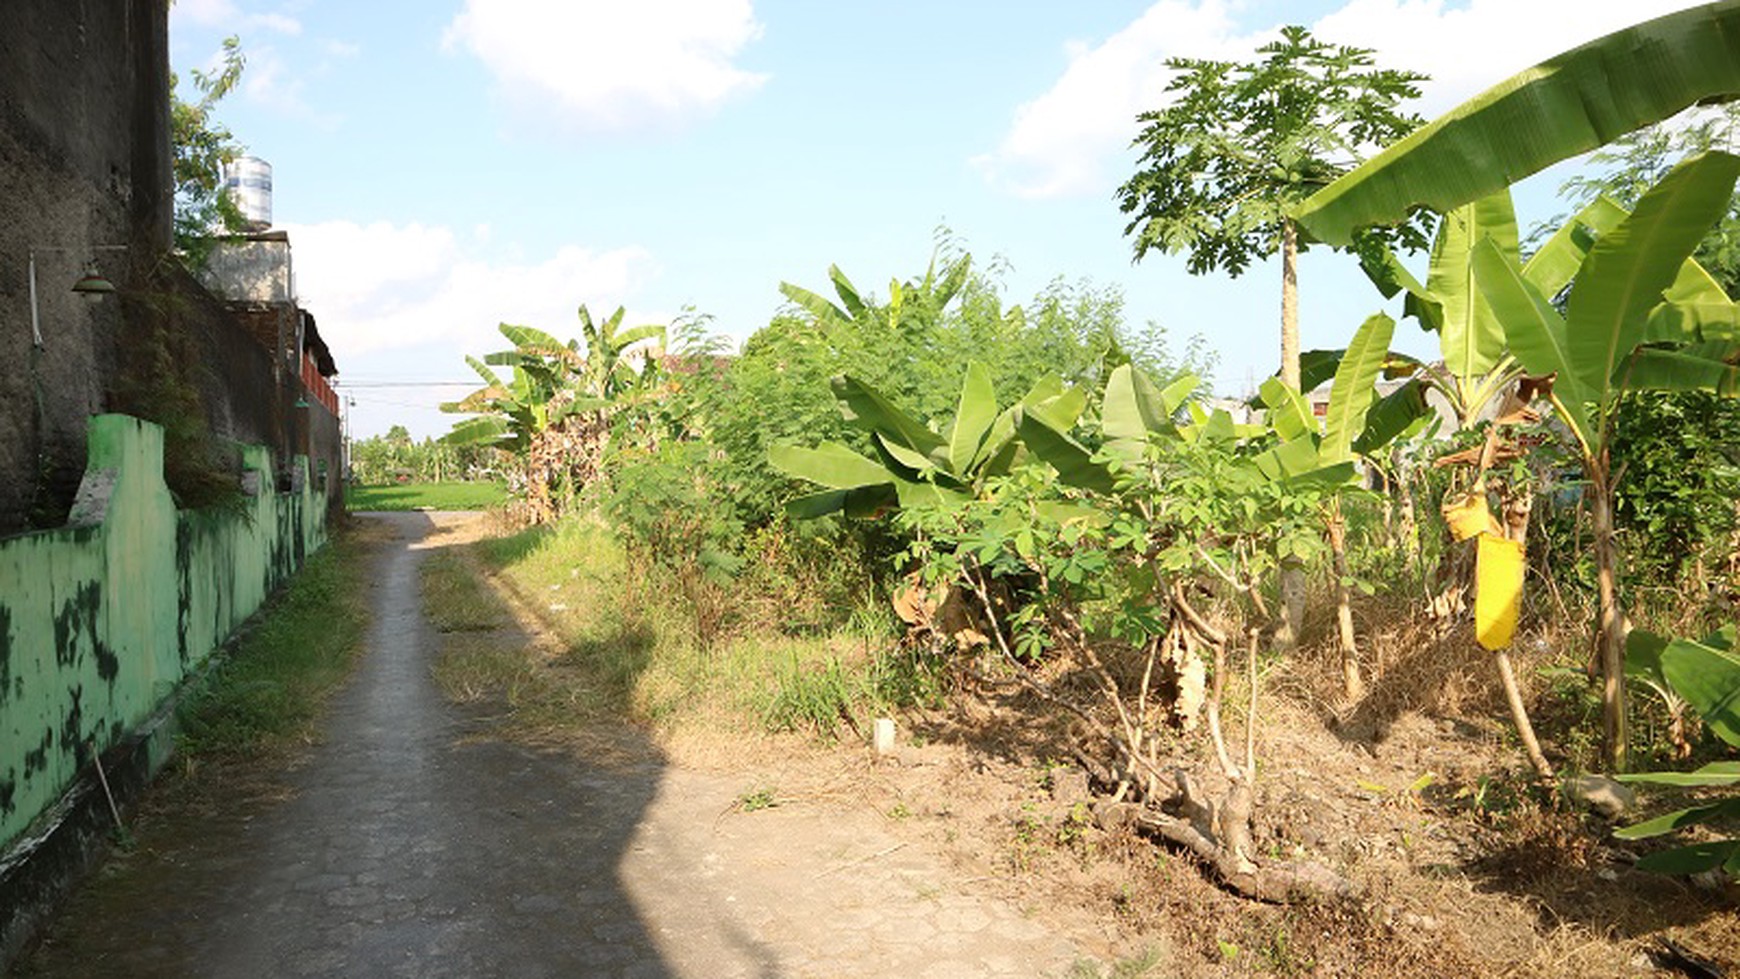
(848, 292)
(829, 464)
(864, 406)
(1535, 330)
(1289, 415)
(1632, 265)
(1712, 366)
(1692, 323)
(1470, 336)
(817, 306)
(628, 338)
(1568, 104)
(861, 502)
(490, 428)
(1134, 408)
(1394, 415)
(974, 417)
(1554, 264)
(1353, 392)
(1708, 677)
(1049, 441)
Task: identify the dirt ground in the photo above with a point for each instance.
(1417, 794)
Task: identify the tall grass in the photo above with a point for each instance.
(629, 640)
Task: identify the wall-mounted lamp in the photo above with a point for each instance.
(91, 285)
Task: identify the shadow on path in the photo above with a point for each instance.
(402, 850)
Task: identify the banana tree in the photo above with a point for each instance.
(1707, 675)
(1571, 103)
(554, 409)
(915, 464)
(1640, 316)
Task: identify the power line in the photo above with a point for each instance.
(404, 384)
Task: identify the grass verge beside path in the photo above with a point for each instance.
(614, 639)
(425, 496)
(265, 694)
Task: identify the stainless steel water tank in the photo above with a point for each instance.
(249, 180)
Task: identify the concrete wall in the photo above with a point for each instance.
(84, 161)
(102, 620)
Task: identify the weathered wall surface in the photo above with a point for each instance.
(101, 621)
(84, 160)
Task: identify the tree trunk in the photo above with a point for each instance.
(1410, 526)
(1611, 641)
(1290, 305)
(1351, 681)
(1292, 574)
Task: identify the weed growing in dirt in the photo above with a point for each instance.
(1141, 964)
(756, 800)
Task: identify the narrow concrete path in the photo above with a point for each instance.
(407, 849)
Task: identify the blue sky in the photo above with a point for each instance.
(445, 166)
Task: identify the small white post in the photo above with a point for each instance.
(884, 738)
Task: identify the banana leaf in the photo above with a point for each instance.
(1469, 334)
(865, 407)
(863, 501)
(1075, 465)
(1134, 408)
(1553, 265)
(1632, 265)
(1708, 677)
(1712, 366)
(1289, 415)
(1716, 773)
(1692, 322)
(1394, 414)
(1571, 103)
(829, 464)
(847, 291)
(1695, 859)
(1536, 331)
(490, 428)
(1353, 392)
(973, 418)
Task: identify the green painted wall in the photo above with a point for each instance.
(103, 619)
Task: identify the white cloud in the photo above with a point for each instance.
(1065, 141)
(226, 15)
(382, 287)
(608, 64)
(270, 80)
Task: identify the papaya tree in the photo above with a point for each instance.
(1238, 145)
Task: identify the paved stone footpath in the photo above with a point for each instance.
(406, 848)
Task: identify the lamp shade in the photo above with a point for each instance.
(92, 283)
